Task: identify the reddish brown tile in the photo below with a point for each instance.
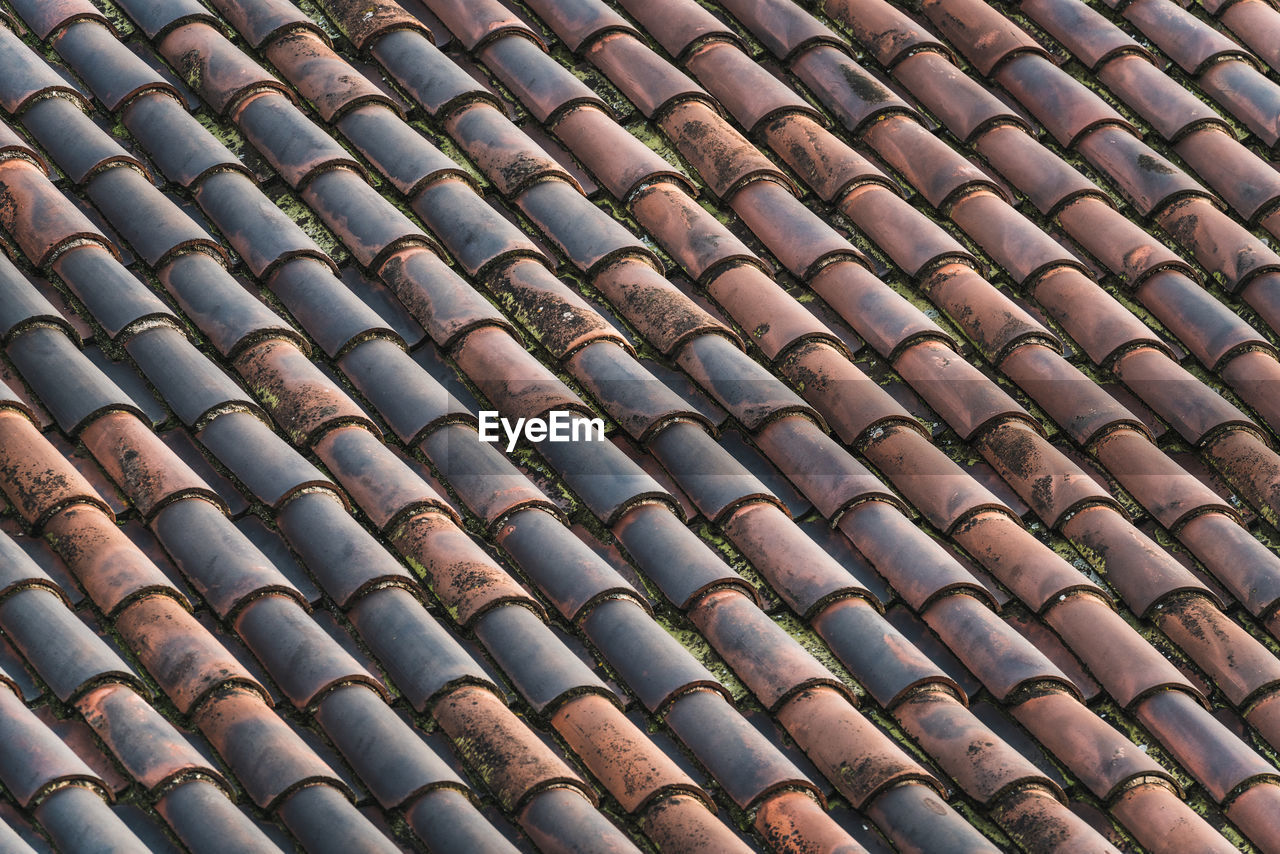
(595, 140)
(1094, 632)
(1223, 764)
(986, 37)
(725, 158)
(1099, 755)
(268, 758)
(984, 767)
(46, 18)
(1035, 818)
(1254, 812)
(1241, 667)
(301, 399)
(636, 773)
(489, 728)
(1068, 111)
(39, 481)
(321, 76)
(832, 732)
(44, 224)
(113, 570)
(135, 458)
(185, 660)
(214, 67)
(1255, 25)
(1192, 409)
(745, 88)
(888, 32)
(652, 85)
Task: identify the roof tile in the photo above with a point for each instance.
(768, 463)
(1254, 24)
(213, 66)
(717, 740)
(984, 36)
(917, 566)
(116, 78)
(25, 81)
(949, 832)
(532, 766)
(891, 34)
(150, 750)
(46, 18)
(561, 815)
(238, 573)
(64, 651)
(75, 816)
(262, 22)
(307, 662)
(79, 148)
(200, 814)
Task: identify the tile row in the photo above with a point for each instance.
(298, 501)
(590, 344)
(1080, 120)
(1219, 338)
(244, 588)
(192, 667)
(1055, 384)
(497, 42)
(239, 582)
(520, 531)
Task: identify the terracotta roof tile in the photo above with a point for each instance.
(1038, 380)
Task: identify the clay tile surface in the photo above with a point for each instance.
(363, 22)
(608, 425)
(261, 22)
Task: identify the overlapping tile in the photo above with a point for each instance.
(1102, 565)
